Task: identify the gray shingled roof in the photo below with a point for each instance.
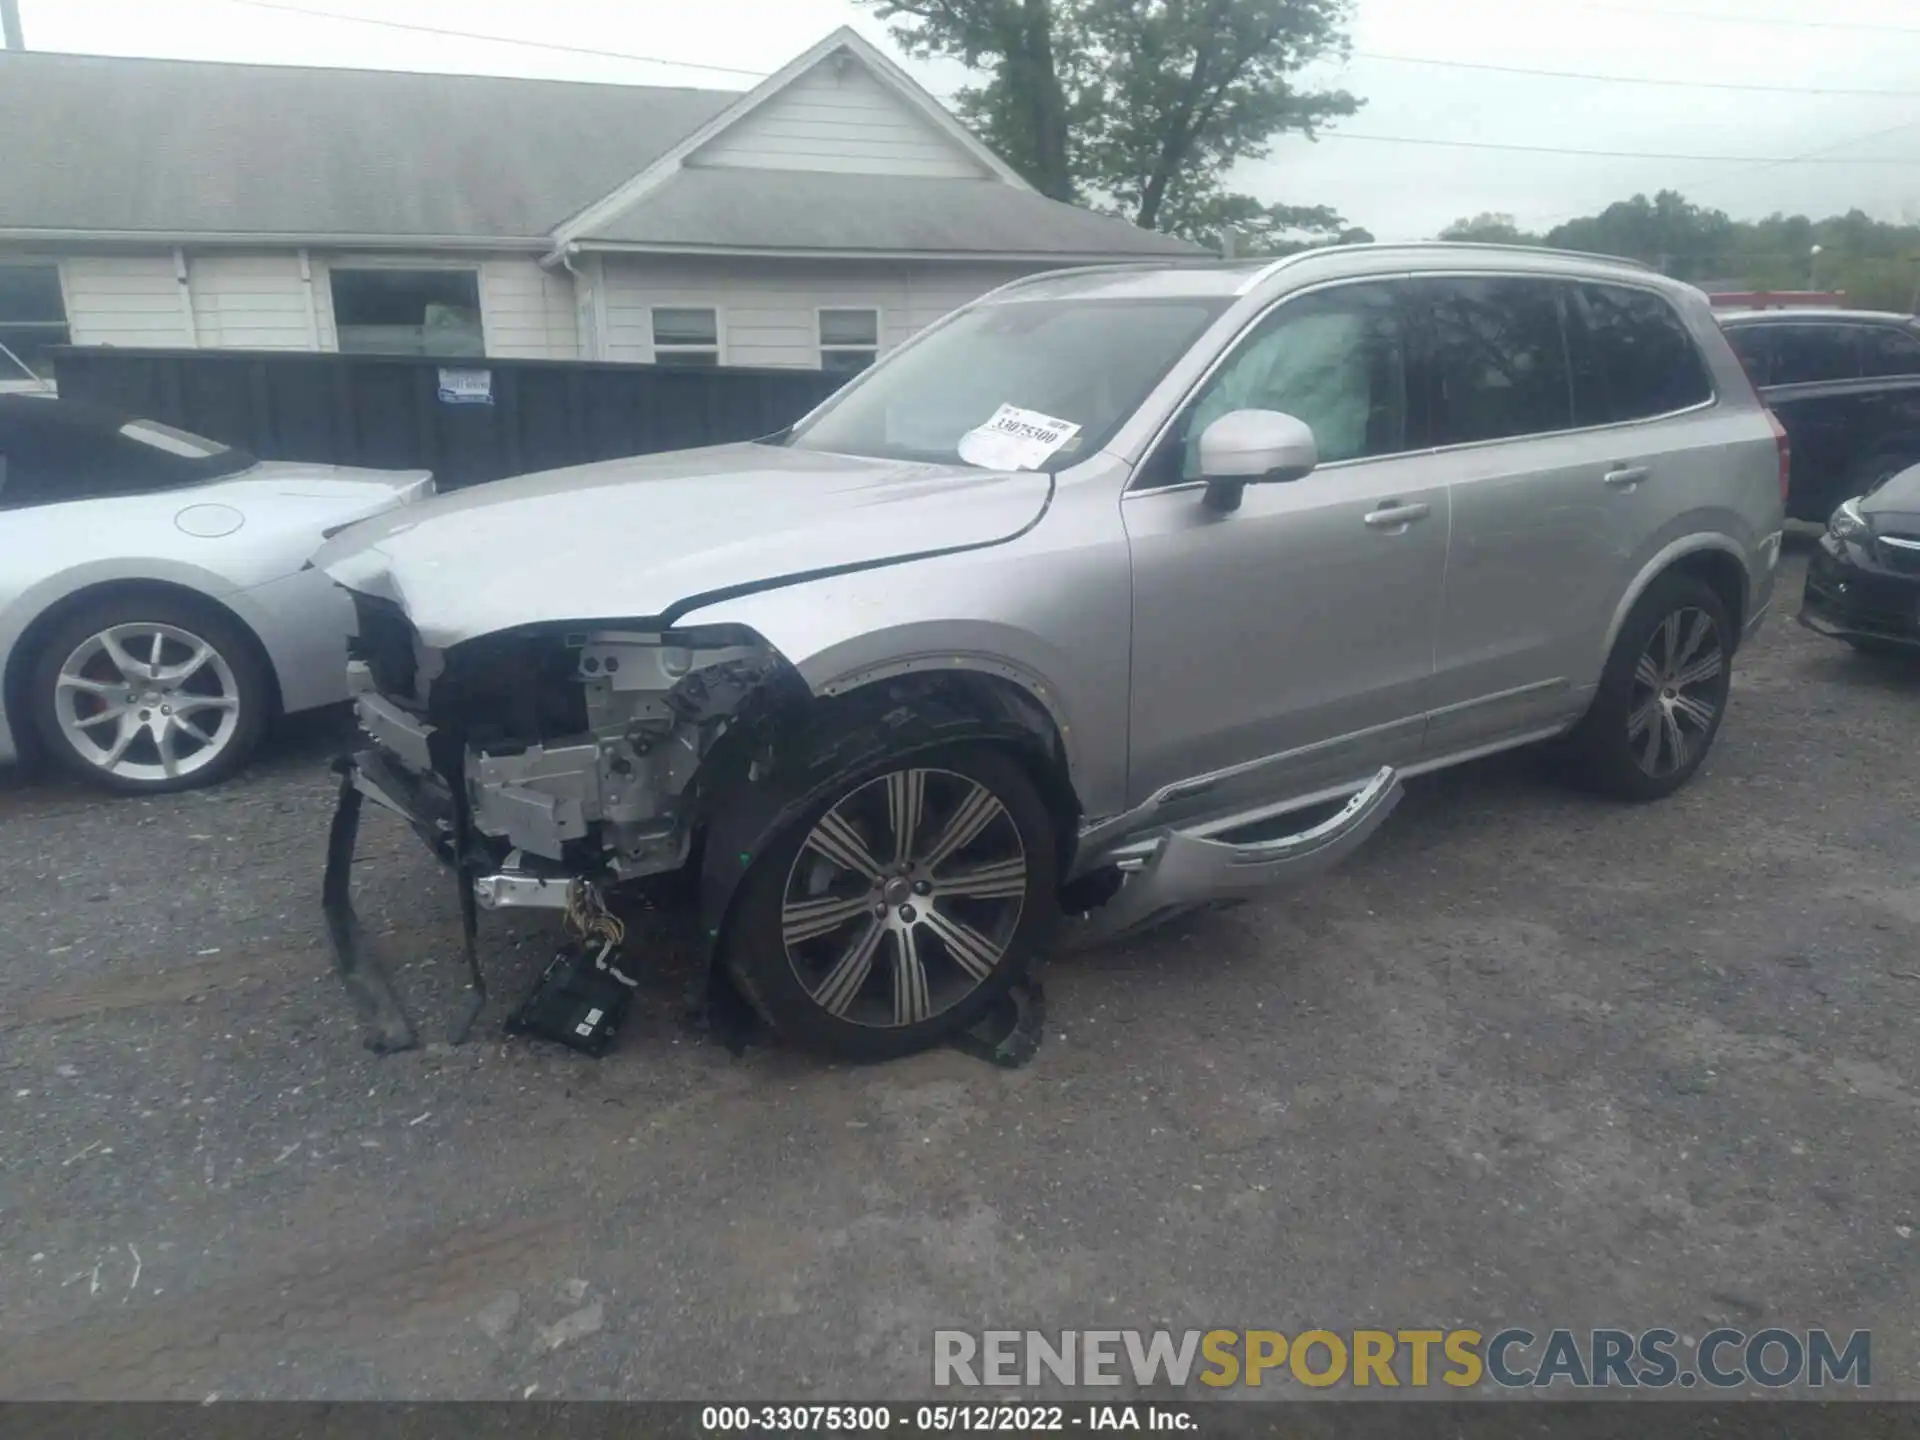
(814, 210)
(183, 147)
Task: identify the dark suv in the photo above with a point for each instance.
(1846, 385)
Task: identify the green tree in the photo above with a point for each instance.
(1140, 106)
(1668, 231)
(1876, 263)
(1252, 228)
(1489, 228)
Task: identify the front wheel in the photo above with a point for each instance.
(1661, 697)
(895, 912)
(144, 694)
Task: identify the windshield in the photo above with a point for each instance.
(1087, 362)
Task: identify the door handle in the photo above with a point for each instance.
(1394, 516)
(1625, 477)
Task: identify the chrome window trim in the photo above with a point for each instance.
(1134, 487)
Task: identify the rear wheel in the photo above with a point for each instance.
(1661, 697)
(898, 910)
(146, 694)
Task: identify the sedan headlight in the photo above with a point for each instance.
(1848, 523)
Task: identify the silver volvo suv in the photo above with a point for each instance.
(1117, 591)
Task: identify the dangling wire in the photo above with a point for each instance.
(587, 917)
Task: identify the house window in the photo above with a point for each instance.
(686, 337)
(33, 317)
(849, 340)
(408, 312)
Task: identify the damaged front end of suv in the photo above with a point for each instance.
(542, 765)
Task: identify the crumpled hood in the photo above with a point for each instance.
(656, 535)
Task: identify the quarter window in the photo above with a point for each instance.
(33, 317)
(686, 337)
(1633, 357)
(1887, 351)
(849, 340)
(1500, 365)
(1335, 359)
(407, 312)
(1808, 354)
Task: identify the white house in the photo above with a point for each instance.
(815, 220)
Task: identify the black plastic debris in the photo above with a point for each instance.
(1009, 1034)
(579, 1001)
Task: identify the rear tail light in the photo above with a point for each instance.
(1785, 449)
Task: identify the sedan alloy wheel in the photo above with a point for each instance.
(147, 702)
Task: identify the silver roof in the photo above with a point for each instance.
(729, 209)
(95, 143)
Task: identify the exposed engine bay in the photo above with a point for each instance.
(578, 751)
(542, 766)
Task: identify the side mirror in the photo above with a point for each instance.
(1253, 447)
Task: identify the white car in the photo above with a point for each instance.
(155, 608)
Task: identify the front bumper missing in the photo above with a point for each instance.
(443, 823)
(1184, 870)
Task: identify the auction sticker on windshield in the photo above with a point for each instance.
(1015, 439)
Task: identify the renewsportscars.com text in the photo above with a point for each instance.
(1415, 1358)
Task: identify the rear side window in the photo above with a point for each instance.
(1633, 356)
(1887, 351)
(1808, 354)
(1498, 357)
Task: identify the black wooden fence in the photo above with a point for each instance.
(465, 420)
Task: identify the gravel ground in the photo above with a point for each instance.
(1528, 1059)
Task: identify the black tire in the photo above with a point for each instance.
(236, 664)
(755, 951)
(1605, 752)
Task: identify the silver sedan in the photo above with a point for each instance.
(155, 608)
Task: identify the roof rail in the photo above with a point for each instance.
(1268, 271)
(1169, 262)
(1273, 267)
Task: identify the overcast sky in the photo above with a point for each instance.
(1398, 190)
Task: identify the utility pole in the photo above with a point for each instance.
(10, 25)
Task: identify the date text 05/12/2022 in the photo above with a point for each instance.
(947, 1418)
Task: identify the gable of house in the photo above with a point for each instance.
(842, 153)
(838, 117)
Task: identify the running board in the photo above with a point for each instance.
(1182, 870)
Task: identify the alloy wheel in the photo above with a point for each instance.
(1676, 693)
(147, 702)
(904, 897)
